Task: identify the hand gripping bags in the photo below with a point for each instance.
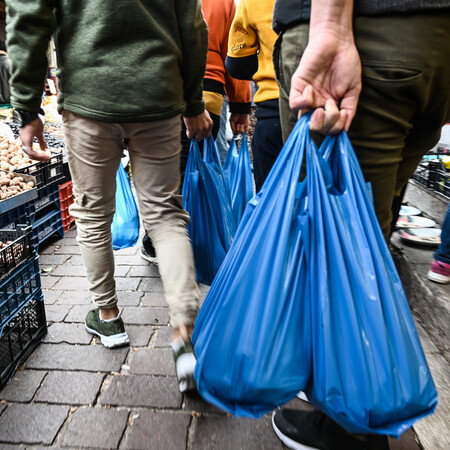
(237, 172)
(308, 298)
(252, 336)
(206, 199)
(369, 370)
(125, 226)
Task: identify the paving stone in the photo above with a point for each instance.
(129, 298)
(71, 333)
(81, 432)
(23, 386)
(158, 430)
(144, 271)
(77, 357)
(31, 423)
(129, 251)
(50, 297)
(163, 337)
(52, 260)
(3, 406)
(154, 299)
(139, 335)
(151, 285)
(72, 284)
(75, 260)
(70, 240)
(145, 316)
(69, 271)
(137, 391)
(68, 250)
(229, 433)
(125, 260)
(48, 282)
(78, 312)
(75, 298)
(193, 401)
(56, 313)
(154, 361)
(71, 388)
(127, 284)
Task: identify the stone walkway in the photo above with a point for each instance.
(74, 393)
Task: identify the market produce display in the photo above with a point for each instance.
(12, 184)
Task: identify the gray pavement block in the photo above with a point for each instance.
(3, 406)
(154, 299)
(127, 284)
(162, 337)
(68, 250)
(52, 260)
(69, 271)
(145, 316)
(125, 260)
(144, 271)
(48, 282)
(78, 313)
(229, 433)
(75, 298)
(130, 251)
(95, 428)
(142, 391)
(23, 386)
(158, 430)
(139, 335)
(31, 423)
(129, 298)
(154, 361)
(77, 357)
(56, 313)
(151, 285)
(75, 260)
(70, 333)
(71, 388)
(70, 240)
(121, 271)
(71, 284)
(193, 402)
(51, 297)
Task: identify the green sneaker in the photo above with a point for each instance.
(112, 333)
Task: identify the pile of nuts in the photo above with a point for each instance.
(11, 154)
(13, 183)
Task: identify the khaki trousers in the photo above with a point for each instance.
(405, 98)
(94, 152)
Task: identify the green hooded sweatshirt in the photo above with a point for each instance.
(118, 60)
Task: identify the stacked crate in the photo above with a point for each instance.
(22, 314)
(66, 199)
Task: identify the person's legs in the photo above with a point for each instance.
(94, 150)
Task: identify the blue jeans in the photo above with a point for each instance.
(442, 254)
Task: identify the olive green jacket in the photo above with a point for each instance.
(118, 60)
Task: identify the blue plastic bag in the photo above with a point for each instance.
(125, 226)
(369, 371)
(206, 199)
(252, 336)
(238, 175)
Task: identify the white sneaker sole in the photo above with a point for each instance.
(438, 278)
(116, 340)
(288, 442)
(185, 367)
(153, 260)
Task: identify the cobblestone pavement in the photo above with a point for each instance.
(74, 393)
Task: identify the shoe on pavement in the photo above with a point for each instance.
(439, 272)
(183, 354)
(111, 332)
(306, 430)
(148, 250)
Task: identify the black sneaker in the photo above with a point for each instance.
(183, 354)
(112, 332)
(148, 251)
(304, 430)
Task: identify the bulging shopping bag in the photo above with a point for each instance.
(252, 335)
(125, 226)
(237, 172)
(369, 370)
(206, 199)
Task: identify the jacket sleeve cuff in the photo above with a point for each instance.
(194, 109)
(240, 108)
(242, 68)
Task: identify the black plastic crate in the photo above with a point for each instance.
(19, 250)
(21, 214)
(20, 336)
(18, 288)
(45, 172)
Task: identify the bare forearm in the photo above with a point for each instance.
(335, 16)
